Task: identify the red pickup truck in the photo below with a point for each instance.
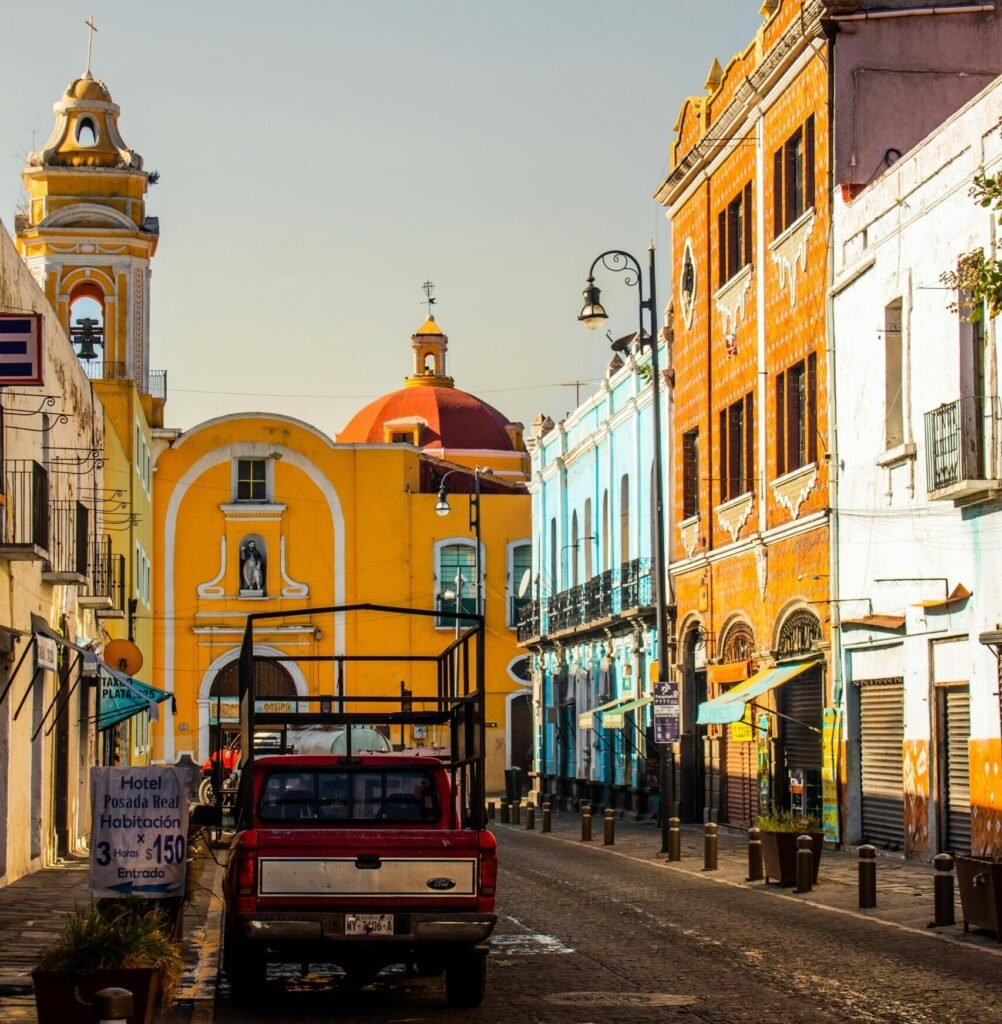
(357, 858)
(359, 861)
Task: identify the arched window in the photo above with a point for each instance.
(520, 592)
(624, 519)
(589, 541)
(456, 585)
(606, 553)
(739, 643)
(575, 547)
(86, 326)
(86, 132)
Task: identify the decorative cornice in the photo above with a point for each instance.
(733, 515)
(730, 300)
(689, 532)
(792, 489)
(790, 248)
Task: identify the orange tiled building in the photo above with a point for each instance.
(749, 535)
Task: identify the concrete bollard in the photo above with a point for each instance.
(867, 877)
(756, 868)
(805, 864)
(674, 839)
(530, 818)
(491, 810)
(505, 812)
(710, 846)
(547, 817)
(516, 812)
(943, 890)
(113, 1005)
(586, 825)
(610, 827)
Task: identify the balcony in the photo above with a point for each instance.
(68, 529)
(625, 591)
(24, 535)
(155, 383)
(960, 442)
(105, 589)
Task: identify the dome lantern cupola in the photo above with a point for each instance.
(430, 346)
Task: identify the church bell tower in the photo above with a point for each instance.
(86, 235)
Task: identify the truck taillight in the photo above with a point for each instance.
(246, 874)
(488, 864)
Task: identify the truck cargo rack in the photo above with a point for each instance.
(441, 689)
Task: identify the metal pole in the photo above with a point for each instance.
(867, 877)
(475, 523)
(547, 817)
(805, 864)
(674, 839)
(586, 825)
(756, 872)
(516, 812)
(530, 817)
(943, 890)
(113, 1005)
(710, 846)
(609, 836)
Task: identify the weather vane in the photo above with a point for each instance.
(91, 29)
(429, 287)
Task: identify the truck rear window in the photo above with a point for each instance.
(338, 794)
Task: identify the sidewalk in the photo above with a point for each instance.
(32, 911)
(904, 888)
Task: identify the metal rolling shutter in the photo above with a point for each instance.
(801, 704)
(882, 733)
(742, 783)
(958, 780)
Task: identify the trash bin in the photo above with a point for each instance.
(513, 784)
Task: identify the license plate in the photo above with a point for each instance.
(368, 924)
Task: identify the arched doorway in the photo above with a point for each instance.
(691, 790)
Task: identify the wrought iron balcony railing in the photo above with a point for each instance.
(68, 532)
(627, 588)
(155, 382)
(959, 438)
(25, 533)
(105, 589)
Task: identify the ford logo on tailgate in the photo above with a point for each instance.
(441, 884)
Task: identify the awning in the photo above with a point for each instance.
(730, 706)
(585, 720)
(877, 621)
(958, 594)
(614, 719)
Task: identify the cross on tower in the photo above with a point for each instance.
(429, 287)
(91, 29)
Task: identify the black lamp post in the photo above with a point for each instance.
(592, 316)
(442, 508)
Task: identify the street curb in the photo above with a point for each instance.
(928, 933)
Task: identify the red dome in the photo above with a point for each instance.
(452, 419)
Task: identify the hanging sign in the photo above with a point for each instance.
(743, 732)
(667, 713)
(121, 697)
(21, 348)
(139, 828)
(47, 653)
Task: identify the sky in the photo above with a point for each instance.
(320, 159)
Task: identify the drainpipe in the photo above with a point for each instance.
(914, 12)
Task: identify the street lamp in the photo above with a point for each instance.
(442, 508)
(593, 315)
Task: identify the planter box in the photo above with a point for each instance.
(980, 883)
(779, 852)
(62, 997)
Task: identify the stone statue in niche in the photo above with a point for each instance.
(252, 568)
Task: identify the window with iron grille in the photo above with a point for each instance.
(521, 563)
(737, 441)
(793, 177)
(252, 480)
(457, 587)
(797, 416)
(734, 235)
(690, 474)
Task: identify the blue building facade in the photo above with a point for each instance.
(590, 625)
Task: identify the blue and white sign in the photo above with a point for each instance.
(139, 831)
(120, 697)
(21, 348)
(667, 713)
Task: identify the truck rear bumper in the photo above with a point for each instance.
(415, 929)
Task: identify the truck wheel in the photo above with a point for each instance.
(246, 968)
(206, 794)
(466, 980)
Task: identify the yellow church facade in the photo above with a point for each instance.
(262, 513)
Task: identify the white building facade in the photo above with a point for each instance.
(917, 438)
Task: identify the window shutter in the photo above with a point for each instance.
(777, 191)
(749, 442)
(723, 455)
(780, 426)
(722, 246)
(747, 212)
(812, 407)
(790, 183)
(734, 442)
(809, 163)
(794, 418)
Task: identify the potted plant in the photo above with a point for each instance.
(980, 883)
(780, 830)
(124, 943)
